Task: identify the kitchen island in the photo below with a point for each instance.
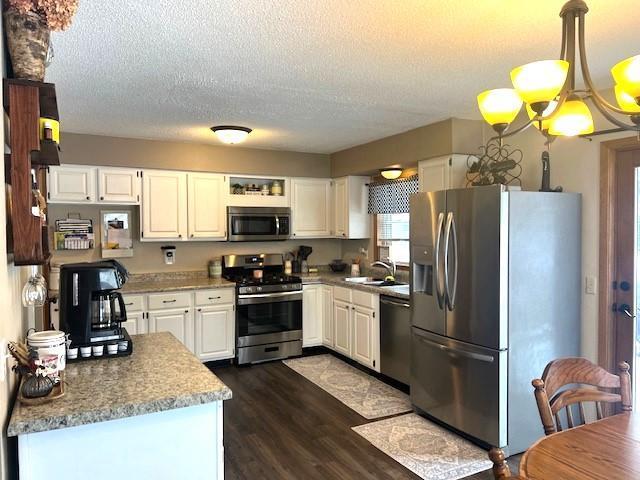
(155, 414)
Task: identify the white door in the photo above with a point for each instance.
(71, 184)
(136, 323)
(311, 207)
(178, 321)
(362, 346)
(164, 205)
(311, 316)
(206, 206)
(215, 333)
(342, 327)
(341, 206)
(119, 185)
(434, 174)
(326, 303)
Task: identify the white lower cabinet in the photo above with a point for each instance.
(364, 324)
(311, 316)
(178, 321)
(326, 303)
(203, 320)
(215, 333)
(342, 327)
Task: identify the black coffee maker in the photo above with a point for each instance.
(91, 310)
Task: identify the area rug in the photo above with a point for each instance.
(429, 451)
(363, 393)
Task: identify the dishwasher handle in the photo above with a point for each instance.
(394, 303)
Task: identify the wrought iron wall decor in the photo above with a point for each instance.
(496, 164)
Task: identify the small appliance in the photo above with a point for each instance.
(91, 308)
(268, 307)
(251, 224)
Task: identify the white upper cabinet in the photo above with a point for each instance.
(350, 198)
(71, 184)
(311, 207)
(164, 205)
(442, 173)
(207, 216)
(119, 185)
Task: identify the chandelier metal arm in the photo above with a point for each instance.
(597, 99)
(606, 114)
(521, 128)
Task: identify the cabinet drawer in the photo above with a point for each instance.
(161, 301)
(214, 297)
(134, 303)
(341, 293)
(364, 299)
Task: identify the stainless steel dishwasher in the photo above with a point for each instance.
(395, 338)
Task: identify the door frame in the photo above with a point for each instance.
(607, 275)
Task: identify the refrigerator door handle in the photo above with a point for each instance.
(447, 237)
(456, 351)
(454, 287)
(436, 261)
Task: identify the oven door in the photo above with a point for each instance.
(257, 224)
(268, 318)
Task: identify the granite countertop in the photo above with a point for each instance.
(160, 375)
(338, 279)
(149, 285)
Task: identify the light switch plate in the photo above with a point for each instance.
(590, 285)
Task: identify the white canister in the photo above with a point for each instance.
(49, 342)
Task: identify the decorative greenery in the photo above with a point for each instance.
(56, 14)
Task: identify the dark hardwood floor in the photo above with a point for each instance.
(279, 425)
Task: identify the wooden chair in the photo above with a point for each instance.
(500, 468)
(585, 382)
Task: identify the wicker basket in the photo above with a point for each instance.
(28, 43)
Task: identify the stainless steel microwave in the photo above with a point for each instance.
(258, 224)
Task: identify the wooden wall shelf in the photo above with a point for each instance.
(25, 102)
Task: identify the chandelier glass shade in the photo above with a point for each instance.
(547, 88)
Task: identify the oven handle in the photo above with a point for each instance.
(277, 225)
(269, 297)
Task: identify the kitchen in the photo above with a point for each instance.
(314, 286)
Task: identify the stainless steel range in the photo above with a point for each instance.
(268, 307)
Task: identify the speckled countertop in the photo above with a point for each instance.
(338, 279)
(160, 375)
(149, 285)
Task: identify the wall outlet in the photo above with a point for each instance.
(590, 285)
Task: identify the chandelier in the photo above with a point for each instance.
(548, 89)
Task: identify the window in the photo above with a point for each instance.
(393, 237)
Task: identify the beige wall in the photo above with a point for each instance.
(13, 321)
(130, 152)
(190, 256)
(406, 149)
(575, 164)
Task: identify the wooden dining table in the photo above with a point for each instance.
(607, 449)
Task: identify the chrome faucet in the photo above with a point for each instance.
(390, 267)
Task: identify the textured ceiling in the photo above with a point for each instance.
(307, 75)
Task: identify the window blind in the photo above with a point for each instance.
(392, 227)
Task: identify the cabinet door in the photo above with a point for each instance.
(164, 205)
(215, 333)
(433, 175)
(311, 207)
(177, 321)
(311, 316)
(342, 327)
(119, 185)
(206, 206)
(363, 320)
(341, 206)
(326, 303)
(71, 184)
(136, 323)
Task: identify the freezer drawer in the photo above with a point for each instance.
(462, 385)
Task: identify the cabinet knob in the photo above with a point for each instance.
(101, 198)
(199, 309)
(88, 198)
(192, 235)
(179, 235)
(186, 311)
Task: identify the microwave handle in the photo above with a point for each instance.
(277, 225)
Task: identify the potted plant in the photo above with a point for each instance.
(28, 24)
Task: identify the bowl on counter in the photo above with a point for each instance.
(338, 266)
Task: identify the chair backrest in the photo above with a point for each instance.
(584, 381)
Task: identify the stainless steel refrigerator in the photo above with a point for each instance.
(495, 295)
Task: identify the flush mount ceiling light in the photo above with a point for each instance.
(391, 173)
(548, 90)
(231, 134)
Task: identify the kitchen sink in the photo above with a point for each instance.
(373, 282)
